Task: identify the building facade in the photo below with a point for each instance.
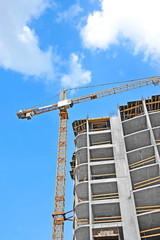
(116, 173)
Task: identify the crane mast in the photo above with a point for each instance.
(63, 105)
(59, 204)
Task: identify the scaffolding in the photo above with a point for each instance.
(153, 103)
(131, 110)
(135, 108)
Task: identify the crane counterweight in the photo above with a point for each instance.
(29, 115)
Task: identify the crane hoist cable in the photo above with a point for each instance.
(105, 84)
(90, 86)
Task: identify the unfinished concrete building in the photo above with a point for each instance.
(116, 173)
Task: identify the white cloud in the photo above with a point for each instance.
(72, 12)
(19, 48)
(135, 21)
(76, 76)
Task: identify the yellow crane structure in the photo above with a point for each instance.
(63, 105)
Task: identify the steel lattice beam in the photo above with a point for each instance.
(58, 216)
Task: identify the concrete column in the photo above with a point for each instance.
(74, 236)
(153, 141)
(89, 184)
(74, 202)
(127, 204)
(75, 197)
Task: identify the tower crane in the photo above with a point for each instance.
(63, 106)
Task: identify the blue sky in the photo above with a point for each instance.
(47, 46)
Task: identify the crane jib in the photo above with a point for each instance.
(68, 103)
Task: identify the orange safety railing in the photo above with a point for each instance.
(102, 159)
(102, 176)
(147, 209)
(82, 221)
(105, 196)
(142, 162)
(101, 143)
(107, 219)
(153, 232)
(147, 182)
